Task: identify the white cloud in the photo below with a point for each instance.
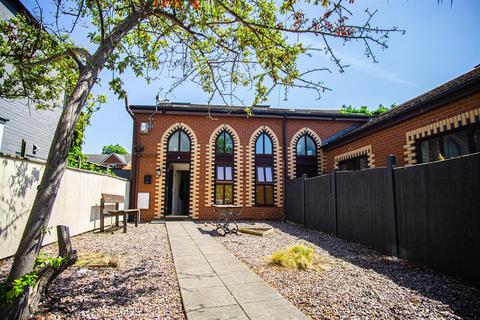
(361, 64)
(373, 69)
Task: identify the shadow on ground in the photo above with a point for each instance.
(121, 290)
(462, 298)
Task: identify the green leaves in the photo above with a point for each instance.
(114, 148)
(10, 291)
(221, 45)
(364, 109)
(76, 158)
(33, 64)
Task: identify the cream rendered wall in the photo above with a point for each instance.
(77, 204)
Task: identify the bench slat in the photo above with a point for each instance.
(112, 198)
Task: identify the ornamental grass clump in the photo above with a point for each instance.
(296, 257)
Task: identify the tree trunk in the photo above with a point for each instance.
(37, 222)
(23, 305)
(33, 233)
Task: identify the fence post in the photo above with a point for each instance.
(334, 191)
(391, 207)
(304, 177)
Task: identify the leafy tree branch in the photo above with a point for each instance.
(221, 45)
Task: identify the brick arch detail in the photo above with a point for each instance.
(412, 136)
(210, 166)
(363, 151)
(194, 170)
(277, 163)
(292, 158)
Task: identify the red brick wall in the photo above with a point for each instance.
(392, 140)
(203, 128)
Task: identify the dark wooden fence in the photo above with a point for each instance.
(294, 201)
(428, 213)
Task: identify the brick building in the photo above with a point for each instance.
(441, 123)
(188, 157)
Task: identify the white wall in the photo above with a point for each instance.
(77, 204)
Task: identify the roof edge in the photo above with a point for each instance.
(108, 155)
(455, 93)
(19, 7)
(239, 111)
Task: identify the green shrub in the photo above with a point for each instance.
(12, 290)
(297, 257)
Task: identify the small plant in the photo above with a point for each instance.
(296, 257)
(10, 291)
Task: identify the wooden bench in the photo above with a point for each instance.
(116, 199)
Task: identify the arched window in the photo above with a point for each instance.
(179, 142)
(224, 144)
(306, 153)
(264, 171)
(179, 147)
(224, 160)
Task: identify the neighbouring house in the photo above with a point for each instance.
(112, 160)
(24, 130)
(187, 157)
(120, 164)
(439, 124)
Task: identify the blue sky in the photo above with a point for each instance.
(440, 43)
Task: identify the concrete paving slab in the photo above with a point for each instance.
(191, 260)
(214, 284)
(253, 292)
(194, 271)
(218, 255)
(211, 250)
(273, 310)
(176, 246)
(201, 298)
(223, 269)
(200, 282)
(233, 312)
(239, 277)
(205, 244)
(185, 253)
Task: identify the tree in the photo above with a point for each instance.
(76, 158)
(365, 110)
(114, 148)
(221, 45)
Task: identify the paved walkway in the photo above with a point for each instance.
(216, 285)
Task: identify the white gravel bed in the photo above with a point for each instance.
(362, 284)
(144, 286)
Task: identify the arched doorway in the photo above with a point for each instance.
(178, 173)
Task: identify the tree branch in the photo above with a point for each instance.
(74, 53)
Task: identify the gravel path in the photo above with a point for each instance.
(362, 284)
(144, 286)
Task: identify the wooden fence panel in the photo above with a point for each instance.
(319, 204)
(294, 200)
(438, 210)
(361, 208)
